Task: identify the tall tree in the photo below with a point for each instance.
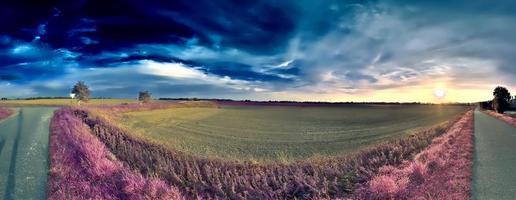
(501, 100)
(81, 91)
(144, 96)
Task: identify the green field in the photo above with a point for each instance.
(281, 133)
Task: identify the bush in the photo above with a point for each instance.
(486, 105)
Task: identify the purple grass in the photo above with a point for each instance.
(202, 178)
(81, 167)
(442, 171)
(506, 118)
(4, 113)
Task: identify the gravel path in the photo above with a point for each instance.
(24, 154)
(494, 167)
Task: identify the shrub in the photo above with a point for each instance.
(383, 187)
(417, 174)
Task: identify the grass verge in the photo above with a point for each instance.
(4, 113)
(442, 171)
(505, 118)
(81, 167)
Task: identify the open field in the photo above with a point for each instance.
(327, 177)
(63, 102)
(282, 132)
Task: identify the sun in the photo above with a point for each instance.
(439, 93)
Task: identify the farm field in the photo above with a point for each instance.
(283, 133)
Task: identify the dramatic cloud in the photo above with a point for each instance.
(305, 50)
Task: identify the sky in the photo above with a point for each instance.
(304, 50)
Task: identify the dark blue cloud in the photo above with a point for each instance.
(94, 26)
(262, 45)
(90, 28)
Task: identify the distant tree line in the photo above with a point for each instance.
(502, 101)
(308, 102)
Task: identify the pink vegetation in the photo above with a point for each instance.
(506, 118)
(81, 167)
(442, 171)
(4, 113)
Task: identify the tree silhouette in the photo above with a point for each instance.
(81, 91)
(501, 100)
(144, 96)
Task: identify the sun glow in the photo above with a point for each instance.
(439, 93)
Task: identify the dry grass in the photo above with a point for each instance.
(81, 167)
(4, 113)
(442, 171)
(506, 118)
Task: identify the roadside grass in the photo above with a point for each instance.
(441, 171)
(280, 133)
(510, 119)
(81, 167)
(4, 113)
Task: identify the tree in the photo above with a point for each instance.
(501, 100)
(144, 96)
(486, 105)
(81, 91)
